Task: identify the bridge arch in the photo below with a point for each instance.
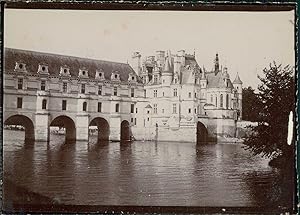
(102, 127)
(125, 131)
(68, 123)
(202, 133)
(24, 121)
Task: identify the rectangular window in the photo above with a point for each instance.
(195, 95)
(115, 91)
(20, 83)
(132, 92)
(189, 110)
(155, 108)
(190, 95)
(82, 88)
(99, 107)
(117, 108)
(155, 93)
(221, 100)
(44, 104)
(144, 93)
(174, 108)
(43, 85)
(65, 87)
(131, 108)
(131, 119)
(195, 110)
(136, 110)
(100, 90)
(134, 121)
(175, 92)
(19, 102)
(155, 79)
(64, 104)
(84, 106)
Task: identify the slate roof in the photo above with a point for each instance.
(54, 61)
(237, 79)
(216, 80)
(189, 61)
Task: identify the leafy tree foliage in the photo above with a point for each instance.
(251, 105)
(277, 96)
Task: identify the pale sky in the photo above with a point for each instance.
(246, 41)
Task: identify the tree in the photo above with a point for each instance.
(251, 105)
(277, 96)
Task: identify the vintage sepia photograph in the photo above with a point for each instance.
(149, 110)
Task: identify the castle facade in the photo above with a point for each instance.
(166, 97)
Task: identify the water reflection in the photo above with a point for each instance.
(141, 173)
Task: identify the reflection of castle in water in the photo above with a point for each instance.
(164, 97)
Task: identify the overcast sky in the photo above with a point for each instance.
(246, 41)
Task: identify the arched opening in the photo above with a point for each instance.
(100, 127)
(125, 131)
(64, 125)
(21, 123)
(201, 133)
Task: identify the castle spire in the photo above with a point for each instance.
(217, 64)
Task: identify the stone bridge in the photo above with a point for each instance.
(37, 124)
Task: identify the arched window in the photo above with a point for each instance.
(44, 104)
(84, 106)
(227, 101)
(221, 100)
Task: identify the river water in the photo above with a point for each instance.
(141, 173)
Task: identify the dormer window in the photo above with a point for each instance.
(115, 76)
(99, 74)
(83, 73)
(131, 77)
(64, 71)
(43, 69)
(20, 67)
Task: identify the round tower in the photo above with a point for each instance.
(238, 86)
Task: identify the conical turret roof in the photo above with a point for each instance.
(237, 79)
